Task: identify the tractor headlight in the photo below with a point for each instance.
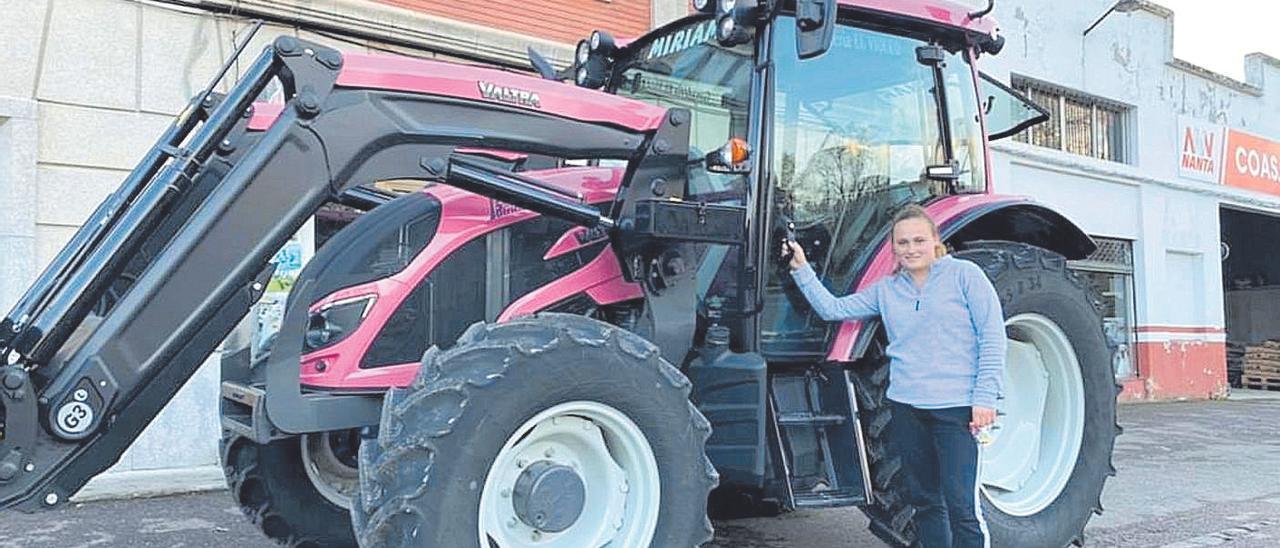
(602, 42)
(737, 22)
(335, 321)
(704, 6)
(593, 59)
(730, 32)
(593, 74)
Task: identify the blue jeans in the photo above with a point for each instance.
(940, 459)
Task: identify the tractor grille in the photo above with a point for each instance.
(436, 312)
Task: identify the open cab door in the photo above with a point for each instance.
(1008, 111)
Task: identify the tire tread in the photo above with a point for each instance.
(448, 384)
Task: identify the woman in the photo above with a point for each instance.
(946, 351)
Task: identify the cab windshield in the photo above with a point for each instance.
(685, 67)
(853, 133)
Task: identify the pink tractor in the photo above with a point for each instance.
(579, 332)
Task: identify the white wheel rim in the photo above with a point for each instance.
(611, 456)
(334, 479)
(1037, 438)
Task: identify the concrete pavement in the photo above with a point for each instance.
(1191, 475)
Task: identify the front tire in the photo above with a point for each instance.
(562, 399)
(293, 489)
(1038, 490)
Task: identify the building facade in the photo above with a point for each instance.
(1171, 167)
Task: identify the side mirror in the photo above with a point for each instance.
(815, 27)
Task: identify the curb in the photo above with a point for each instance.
(152, 483)
(1245, 394)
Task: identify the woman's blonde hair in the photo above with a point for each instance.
(913, 211)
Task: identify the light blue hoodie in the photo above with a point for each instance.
(946, 340)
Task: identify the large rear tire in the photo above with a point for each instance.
(554, 430)
(1041, 490)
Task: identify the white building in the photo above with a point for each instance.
(1172, 166)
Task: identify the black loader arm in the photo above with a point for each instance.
(194, 226)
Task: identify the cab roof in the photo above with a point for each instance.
(941, 12)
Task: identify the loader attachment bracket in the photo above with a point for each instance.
(660, 264)
(682, 221)
(18, 427)
(308, 73)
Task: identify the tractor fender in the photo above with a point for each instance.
(1018, 220)
(961, 219)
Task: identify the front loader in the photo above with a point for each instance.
(581, 326)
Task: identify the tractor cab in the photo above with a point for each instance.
(823, 121)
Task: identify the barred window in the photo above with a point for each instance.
(1079, 123)
(1109, 270)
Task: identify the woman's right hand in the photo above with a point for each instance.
(797, 254)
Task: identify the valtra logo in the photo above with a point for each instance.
(524, 98)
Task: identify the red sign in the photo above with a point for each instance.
(1199, 150)
(1251, 162)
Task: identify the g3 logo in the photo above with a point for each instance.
(75, 417)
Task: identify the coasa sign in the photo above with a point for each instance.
(1251, 162)
(1217, 154)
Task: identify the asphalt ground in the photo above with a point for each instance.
(1190, 475)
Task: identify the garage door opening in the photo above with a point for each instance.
(1251, 289)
